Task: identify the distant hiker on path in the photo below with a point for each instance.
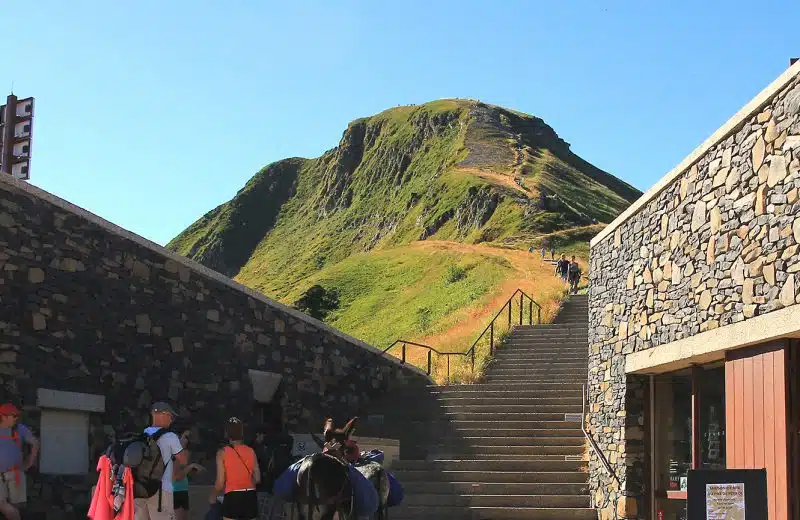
(543, 253)
(13, 463)
(573, 275)
(553, 253)
(562, 267)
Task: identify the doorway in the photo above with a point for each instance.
(793, 374)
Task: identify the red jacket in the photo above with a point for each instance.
(102, 507)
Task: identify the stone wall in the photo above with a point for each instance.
(717, 245)
(87, 307)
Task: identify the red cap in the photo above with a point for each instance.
(7, 409)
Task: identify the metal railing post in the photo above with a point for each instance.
(521, 308)
(539, 315)
(448, 368)
(404, 353)
(509, 312)
(530, 312)
(491, 338)
(473, 360)
(429, 361)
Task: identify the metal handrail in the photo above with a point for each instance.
(523, 299)
(592, 442)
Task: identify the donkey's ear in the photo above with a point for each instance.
(350, 426)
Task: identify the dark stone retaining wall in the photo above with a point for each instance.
(717, 246)
(85, 309)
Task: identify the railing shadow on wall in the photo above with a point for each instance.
(519, 309)
(592, 443)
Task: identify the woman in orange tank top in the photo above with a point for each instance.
(237, 475)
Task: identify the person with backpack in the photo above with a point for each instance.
(573, 275)
(152, 476)
(13, 462)
(238, 474)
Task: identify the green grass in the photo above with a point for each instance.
(383, 293)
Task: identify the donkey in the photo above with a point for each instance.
(323, 484)
(337, 443)
(375, 473)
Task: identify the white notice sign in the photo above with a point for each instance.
(725, 501)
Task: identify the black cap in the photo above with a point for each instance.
(162, 407)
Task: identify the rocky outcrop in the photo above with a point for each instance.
(719, 245)
(476, 209)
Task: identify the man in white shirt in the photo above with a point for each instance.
(172, 453)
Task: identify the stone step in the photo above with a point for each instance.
(516, 440)
(443, 450)
(536, 338)
(574, 347)
(533, 433)
(482, 387)
(468, 415)
(404, 512)
(566, 330)
(565, 336)
(535, 378)
(511, 408)
(511, 426)
(489, 476)
(548, 360)
(502, 456)
(538, 370)
(509, 400)
(535, 354)
(509, 464)
(501, 391)
(496, 488)
(500, 500)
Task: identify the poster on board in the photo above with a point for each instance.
(725, 501)
(728, 494)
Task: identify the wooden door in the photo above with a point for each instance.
(794, 429)
(756, 394)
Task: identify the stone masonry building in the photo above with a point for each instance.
(96, 323)
(694, 315)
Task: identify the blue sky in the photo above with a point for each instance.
(151, 113)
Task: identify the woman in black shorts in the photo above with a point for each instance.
(238, 475)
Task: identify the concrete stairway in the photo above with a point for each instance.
(510, 447)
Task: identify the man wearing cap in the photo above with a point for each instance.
(172, 453)
(13, 463)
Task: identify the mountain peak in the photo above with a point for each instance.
(452, 169)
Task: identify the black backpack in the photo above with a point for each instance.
(140, 452)
(275, 457)
(574, 270)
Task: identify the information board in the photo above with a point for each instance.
(729, 494)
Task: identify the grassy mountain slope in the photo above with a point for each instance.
(447, 172)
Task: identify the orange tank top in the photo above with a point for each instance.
(239, 461)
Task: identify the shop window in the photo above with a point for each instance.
(689, 429)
